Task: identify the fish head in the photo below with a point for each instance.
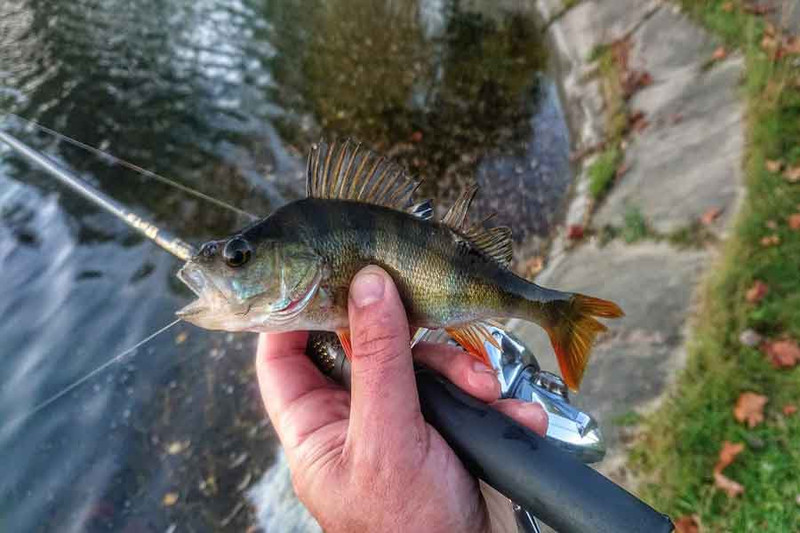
(243, 285)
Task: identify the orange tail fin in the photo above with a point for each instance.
(573, 331)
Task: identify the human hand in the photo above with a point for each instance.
(367, 460)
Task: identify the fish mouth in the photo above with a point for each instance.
(194, 278)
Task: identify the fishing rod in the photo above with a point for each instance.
(544, 477)
(163, 238)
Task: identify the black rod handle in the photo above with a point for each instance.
(567, 495)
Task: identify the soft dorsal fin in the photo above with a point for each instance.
(495, 242)
(456, 216)
(346, 171)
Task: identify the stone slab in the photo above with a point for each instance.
(633, 364)
(688, 159)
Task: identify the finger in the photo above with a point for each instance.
(460, 368)
(383, 389)
(530, 415)
(298, 398)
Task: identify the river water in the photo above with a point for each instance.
(226, 97)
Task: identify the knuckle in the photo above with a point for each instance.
(379, 343)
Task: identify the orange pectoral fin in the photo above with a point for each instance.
(344, 338)
(472, 337)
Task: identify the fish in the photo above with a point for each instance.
(292, 269)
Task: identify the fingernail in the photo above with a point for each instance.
(483, 377)
(367, 288)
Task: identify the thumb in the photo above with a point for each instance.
(383, 389)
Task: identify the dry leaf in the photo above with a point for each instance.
(727, 7)
(637, 121)
(792, 174)
(770, 240)
(768, 43)
(719, 54)
(710, 215)
(688, 524)
(181, 337)
(170, 499)
(782, 353)
(790, 47)
(575, 232)
(416, 136)
(750, 408)
(794, 221)
(757, 10)
(773, 165)
(534, 265)
(727, 454)
(789, 409)
(731, 488)
(757, 292)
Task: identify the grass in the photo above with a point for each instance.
(681, 441)
(603, 171)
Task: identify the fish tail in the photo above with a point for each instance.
(572, 325)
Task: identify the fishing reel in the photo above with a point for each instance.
(520, 376)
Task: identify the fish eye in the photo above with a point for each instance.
(236, 252)
(209, 249)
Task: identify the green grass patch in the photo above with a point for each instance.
(634, 225)
(603, 171)
(682, 440)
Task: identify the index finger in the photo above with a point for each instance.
(297, 396)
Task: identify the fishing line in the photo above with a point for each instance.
(135, 167)
(91, 374)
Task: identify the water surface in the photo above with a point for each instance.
(226, 97)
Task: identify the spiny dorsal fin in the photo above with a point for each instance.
(495, 242)
(346, 171)
(456, 216)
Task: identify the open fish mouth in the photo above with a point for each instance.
(194, 278)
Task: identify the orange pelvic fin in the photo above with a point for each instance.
(574, 332)
(344, 338)
(472, 337)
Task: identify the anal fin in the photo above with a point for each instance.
(472, 337)
(344, 338)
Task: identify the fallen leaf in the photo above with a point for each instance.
(727, 454)
(783, 353)
(176, 447)
(789, 409)
(575, 231)
(416, 136)
(711, 214)
(757, 10)
(181, 337)
(719, 54)
(688, 524)
(794, 221)
(727, 7)
(757, 292)
(773, 165)
(792, 174)
(170, 499)
(791, 47)
(750, 408)
(768, 43)
(534, 265)
(637, 121)
(729, 486)
(770, 240)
